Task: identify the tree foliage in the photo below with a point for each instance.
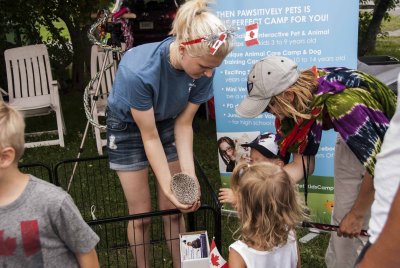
(25, 18)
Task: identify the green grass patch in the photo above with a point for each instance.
(391, 25)
(388, 46)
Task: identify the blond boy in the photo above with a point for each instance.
(40, 226)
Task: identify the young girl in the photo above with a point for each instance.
(156, 93)
(269, 208)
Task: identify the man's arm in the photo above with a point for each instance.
(352, 222)
(384, 252)
(88, 260)
(295, 168)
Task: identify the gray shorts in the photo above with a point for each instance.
(125, 146)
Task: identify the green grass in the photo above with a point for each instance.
(388, 46)
(392, 24)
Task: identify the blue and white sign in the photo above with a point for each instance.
(320, 33)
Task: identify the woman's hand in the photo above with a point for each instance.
(183, 207)
(226, 196)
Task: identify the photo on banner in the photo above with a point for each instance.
(312, 33)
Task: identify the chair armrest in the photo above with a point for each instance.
(55, 95)
(55, 84)
(3, 92)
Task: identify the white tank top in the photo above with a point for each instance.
(281, 257)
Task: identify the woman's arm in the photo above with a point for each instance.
(145, 120)
(295, 168)
(88, 260)
(184, 138)
(235, 260)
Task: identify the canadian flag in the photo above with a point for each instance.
(251, 35)
(216, 259)
(218, 43)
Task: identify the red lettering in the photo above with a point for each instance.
(30, 237)
(7, 246)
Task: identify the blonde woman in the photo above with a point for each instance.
(269, 209)
(156, 93)
(356, 105)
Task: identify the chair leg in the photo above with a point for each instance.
(62, 119)
(99, 144)
(60, 126)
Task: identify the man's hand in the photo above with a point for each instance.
(226, 196)
(351, 225)
(352, 222)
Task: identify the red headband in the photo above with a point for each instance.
(195, 41)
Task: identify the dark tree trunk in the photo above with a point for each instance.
(80, 43)
(367, 43)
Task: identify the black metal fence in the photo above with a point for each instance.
(97, 192)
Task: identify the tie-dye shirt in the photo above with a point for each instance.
(353, 103)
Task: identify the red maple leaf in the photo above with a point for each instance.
(214, 260)
(7, 246)
(252, 34)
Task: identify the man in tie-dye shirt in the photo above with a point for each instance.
(354, 104)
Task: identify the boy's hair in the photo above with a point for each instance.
(302, 90)
(268, 204)
(195, 20)
(12, 129)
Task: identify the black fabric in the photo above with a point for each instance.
(306, 172)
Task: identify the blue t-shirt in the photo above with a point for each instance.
(146, 79)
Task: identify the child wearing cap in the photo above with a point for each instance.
(263, 149)
(356, 105)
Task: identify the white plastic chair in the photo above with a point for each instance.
(97, 58)
(32, 90)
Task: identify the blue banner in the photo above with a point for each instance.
(319, 33)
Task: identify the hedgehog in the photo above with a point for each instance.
(185, 188)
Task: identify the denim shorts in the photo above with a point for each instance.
(125, 146)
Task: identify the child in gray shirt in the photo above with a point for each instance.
(40, 226)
